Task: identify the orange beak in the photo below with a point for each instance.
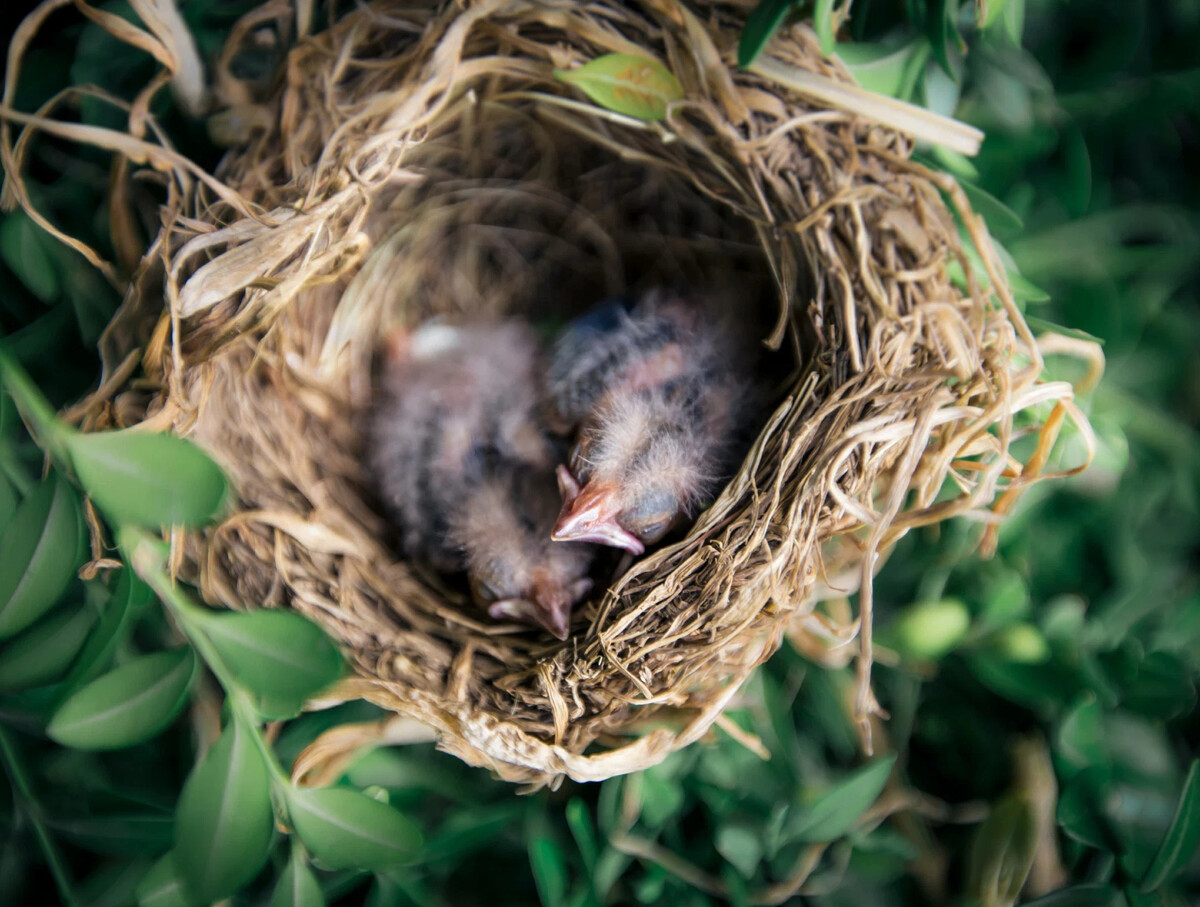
(591, 516)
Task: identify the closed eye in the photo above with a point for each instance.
(654, 531)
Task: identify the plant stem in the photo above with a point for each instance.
(39, 415)
(28, 803)
(146, 555)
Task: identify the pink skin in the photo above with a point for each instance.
(550, 610)
(589, 515)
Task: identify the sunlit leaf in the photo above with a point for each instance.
(274, 654)
(343, 828)
(39, 552)
(837, 810)
(884, 69)
(45, 650)
(823, 25)
(127, 705)
(224, 819)
(761, 25)
(148, 479)
(629, 84)
(1182, 838)
(929, 629)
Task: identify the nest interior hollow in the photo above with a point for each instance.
(423, 160)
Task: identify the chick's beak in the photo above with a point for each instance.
(591, 516)
(556, 622)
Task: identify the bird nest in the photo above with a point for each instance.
(415, 160)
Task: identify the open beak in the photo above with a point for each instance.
(555, 621)
(590, 517)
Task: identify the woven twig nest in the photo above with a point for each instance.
(420, 161)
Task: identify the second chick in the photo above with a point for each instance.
(465, 469)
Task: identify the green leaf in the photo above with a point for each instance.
(929, 630)
(1002, 853)
(941, 32)
(761, 25)
(824, 26)
(834, 813)
(1078, 812)
(1081, 739)
(115, 623)
(627, 83)
(29, 253)
(579, 820)
(297, 887)
(9, 499)
(127, 833)
(1182, 838)
(39, 552)
(1000, 218)
(884, 69)
(549, 865)
(1080, 896)
(346, 829)
(1013, 17)
(742, 847)
(1163, 687)
(43, 652)
(127, 705)
(989, 11)
(1041, 324)
(148, 479)
(162, 887)
(224, 821)
(274, 654)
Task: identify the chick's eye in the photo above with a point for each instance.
(654, 531)
(483, 591)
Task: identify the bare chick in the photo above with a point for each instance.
(457, 447)
(514, 567)
(661, 392)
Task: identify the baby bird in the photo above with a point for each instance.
(466, 470)
(659, 391)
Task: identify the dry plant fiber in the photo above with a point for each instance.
(418, 159)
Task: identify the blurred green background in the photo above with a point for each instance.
(1043, 703)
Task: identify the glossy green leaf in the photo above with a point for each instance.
(115, 624)
(579, 820)
(885, 70)
(45, 650)
(1182, 838)
(29, 253)
(627, 83)
(823, 25)
(761, 25)
(148, 479)
(39, 553)
(1002, 853)
(162, 887)
(127, 705)
(989, 11)
(274, 654)
(297, 886)
(224, 819)
(837, 810)
(1080, 896)
(1081, 739)
(1013, 17)
(344, 828)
